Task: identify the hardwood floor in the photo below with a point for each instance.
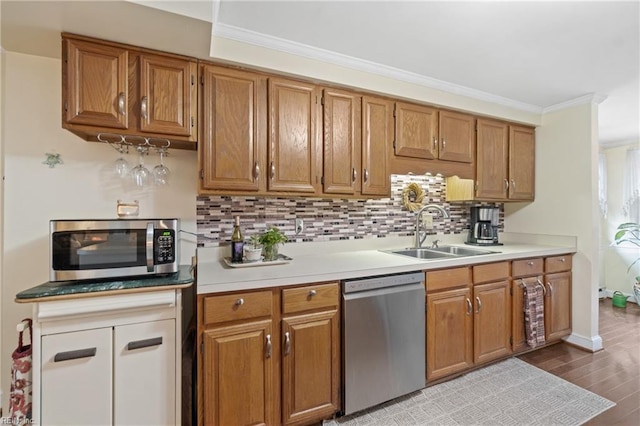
(613, 372)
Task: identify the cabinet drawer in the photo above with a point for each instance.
(310, 297)
(490, 272)
(526, 267)
(239, 306)
(557, 263)
(448, 278)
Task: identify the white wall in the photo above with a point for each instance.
(567, 204)
(616, 259)
(83, 187)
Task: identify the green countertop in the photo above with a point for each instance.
(60, 289)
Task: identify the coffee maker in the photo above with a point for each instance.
(483, 229)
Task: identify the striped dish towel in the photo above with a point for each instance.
(534, 314)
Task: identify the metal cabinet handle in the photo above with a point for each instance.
(256, 171)
(513, 184)
(435, 144)
(354, 175)
(77, 354)
(268, 354)
(444, 144)
(366, 175)
(530, 263)
(240, 302)
(121, 104)
(312, 293)
(544, 289)
(144, 108)
(287, 343)
(562, 259)
(273, 170)
(550, 289)
(479, 302)
(139, 344)
(506, 184)
(469, 307)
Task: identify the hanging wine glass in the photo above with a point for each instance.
(122, 166)
(140, 173)
(161, 172)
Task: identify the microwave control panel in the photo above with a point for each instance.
(164, 246)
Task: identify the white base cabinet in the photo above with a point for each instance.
(108, 360)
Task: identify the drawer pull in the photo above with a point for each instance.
(268, 355)
(240, 302)
(530, 263)
(139, 344)
(287, 343)
(77, 354)
(312, 293)
(562, 259)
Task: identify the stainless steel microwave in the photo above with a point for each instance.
(112, 248)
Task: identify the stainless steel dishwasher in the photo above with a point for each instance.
(383, 338)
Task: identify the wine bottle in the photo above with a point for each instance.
(237, 242)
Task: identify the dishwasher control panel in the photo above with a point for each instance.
(372, 283)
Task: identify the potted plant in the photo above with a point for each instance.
(253, 250)
(271, 240)
(629, 232)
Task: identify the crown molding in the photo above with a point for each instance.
(299, 49)
(616, 144)
(594, 98)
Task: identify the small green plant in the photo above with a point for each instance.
(629, 232)
(272, 236)
(254, 240)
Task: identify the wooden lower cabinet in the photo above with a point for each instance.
(492, 321)
(519, 342)
(557, 304)
(270, 357)
(238, 375)
(310, 367)
(449, 332)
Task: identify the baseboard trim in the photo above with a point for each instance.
(592, 344)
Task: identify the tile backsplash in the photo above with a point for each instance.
(331, 219)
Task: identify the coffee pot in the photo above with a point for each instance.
(483, 228)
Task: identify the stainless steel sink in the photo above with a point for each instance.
(443, 252)
(461, 251)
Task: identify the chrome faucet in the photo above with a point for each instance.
(419, 239)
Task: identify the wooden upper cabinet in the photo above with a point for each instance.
(293, 141)
(341, 140)
(165, 104)
(233, 141)
(95, 84)
(416, 131)
(377, 137)
(521, 163)
(492, 159)
(125, 90)
(457, 137)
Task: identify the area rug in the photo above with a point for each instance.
(510, 392)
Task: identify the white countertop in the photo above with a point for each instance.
(330, 261)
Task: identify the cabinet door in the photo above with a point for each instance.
(491, 169)
(521, 163)
(449, 332)
(519, 342)
(293, 147)
(377, 136)
(310, 367)
(95, 84)
(166, 95)
(145, 373)
(492, 322)
(342, 141)
(557, 306)
(457, 137)
(233, 130)
(238, 375)
(416, 131)
(76, 378)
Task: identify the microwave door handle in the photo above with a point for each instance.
(149, 246)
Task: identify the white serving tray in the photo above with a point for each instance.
(282, 259)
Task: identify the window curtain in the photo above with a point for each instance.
(631, 186)
(602, 183)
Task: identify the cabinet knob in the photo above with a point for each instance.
(312, 293)
(530, 263)
(562, 259)
(240, 302)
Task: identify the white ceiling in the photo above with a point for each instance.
(534, 56)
